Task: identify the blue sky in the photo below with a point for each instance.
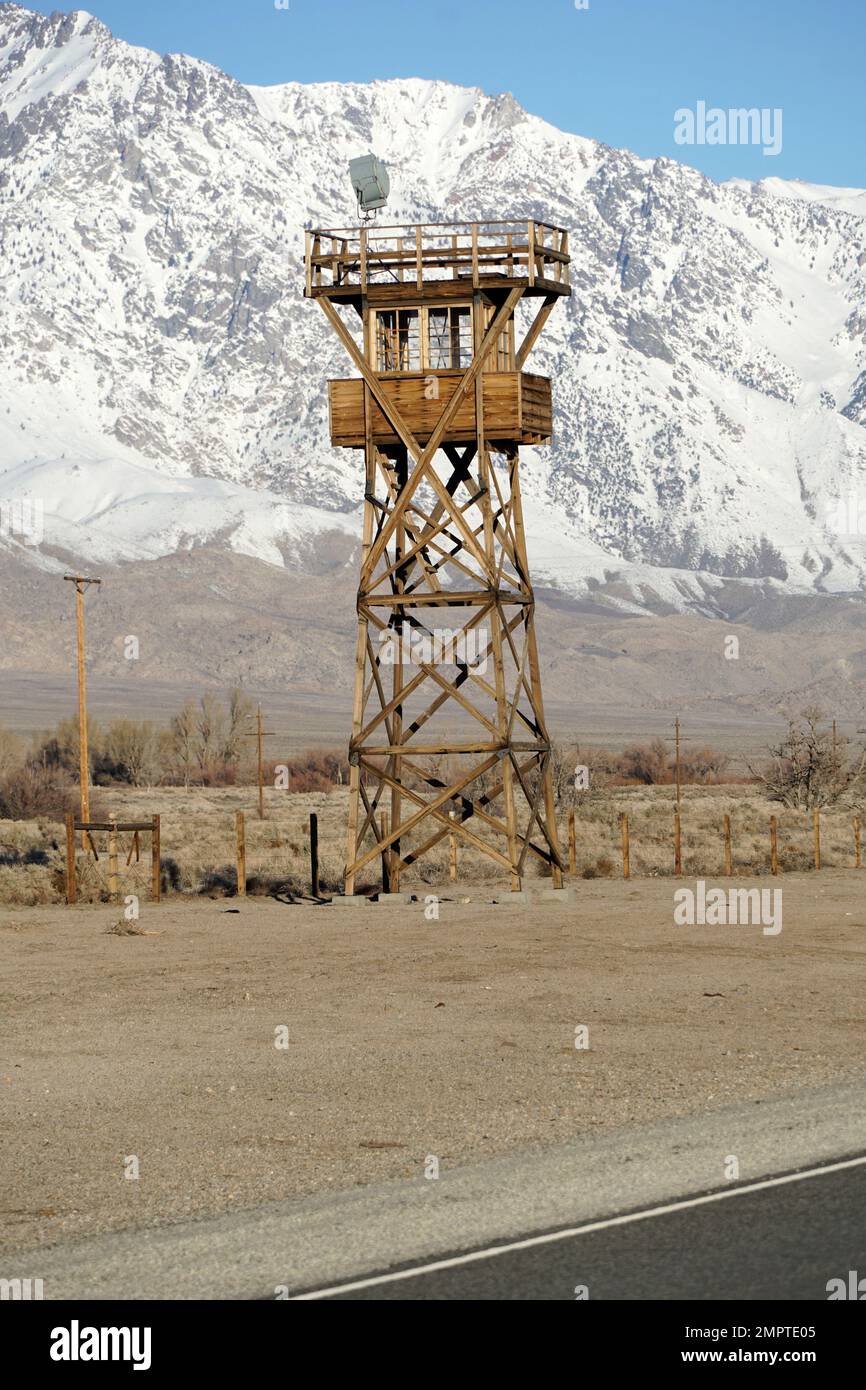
(617, 71)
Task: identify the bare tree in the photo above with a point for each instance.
(241, 714)
(210, 734)
(810, 769)
(11, 751)
(132, 748)
(183, 738)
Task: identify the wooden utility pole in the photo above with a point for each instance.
(260, 734)
(626, 867)
(81, 581)
(678, 740)
(774, 846)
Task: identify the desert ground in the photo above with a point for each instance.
(404, 1037)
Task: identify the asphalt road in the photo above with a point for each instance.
(781, 1242)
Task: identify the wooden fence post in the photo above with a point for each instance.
(155, 861)
(774, 847)
(241, 852)
(678, 846)
(386, 867)
(572, 844)
(452, 852)
(112, 857)
(71, 886)
(816, 828)
(626, 865)
(314, 854)
(729, 853)
(856, 842)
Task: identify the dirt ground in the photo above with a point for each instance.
(405, 1038)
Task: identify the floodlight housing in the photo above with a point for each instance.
(370, 182)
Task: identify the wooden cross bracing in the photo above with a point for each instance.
(448, 723)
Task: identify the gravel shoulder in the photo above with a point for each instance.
(406, 1039)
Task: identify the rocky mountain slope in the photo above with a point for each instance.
(161, 374)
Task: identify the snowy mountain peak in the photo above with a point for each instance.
(709, 372)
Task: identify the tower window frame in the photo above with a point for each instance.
(401, 339)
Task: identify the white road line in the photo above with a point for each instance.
(456, 1260)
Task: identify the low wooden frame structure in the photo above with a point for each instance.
(107, 873)
(440, 406)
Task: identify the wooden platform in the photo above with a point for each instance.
(517, 407)
(350, 263)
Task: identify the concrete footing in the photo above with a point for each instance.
(525, 896)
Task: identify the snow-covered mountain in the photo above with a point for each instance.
(161, 375)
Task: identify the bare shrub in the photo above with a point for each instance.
(30, 791)
(30, 885)
(60, 749)
(649, 763)
(315, 770)
(703, 764)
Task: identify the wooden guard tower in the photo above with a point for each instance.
(448, 733)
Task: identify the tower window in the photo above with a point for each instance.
(424, 339)
(449, 336)
(398, 340)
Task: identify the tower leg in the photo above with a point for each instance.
(535, 676)
(355, 771)
(401, 470)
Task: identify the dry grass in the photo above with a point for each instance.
(198, 849)
(650, 812)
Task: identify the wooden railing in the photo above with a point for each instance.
(473, 252)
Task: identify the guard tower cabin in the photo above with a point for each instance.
(427, 294)
(440, 406)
